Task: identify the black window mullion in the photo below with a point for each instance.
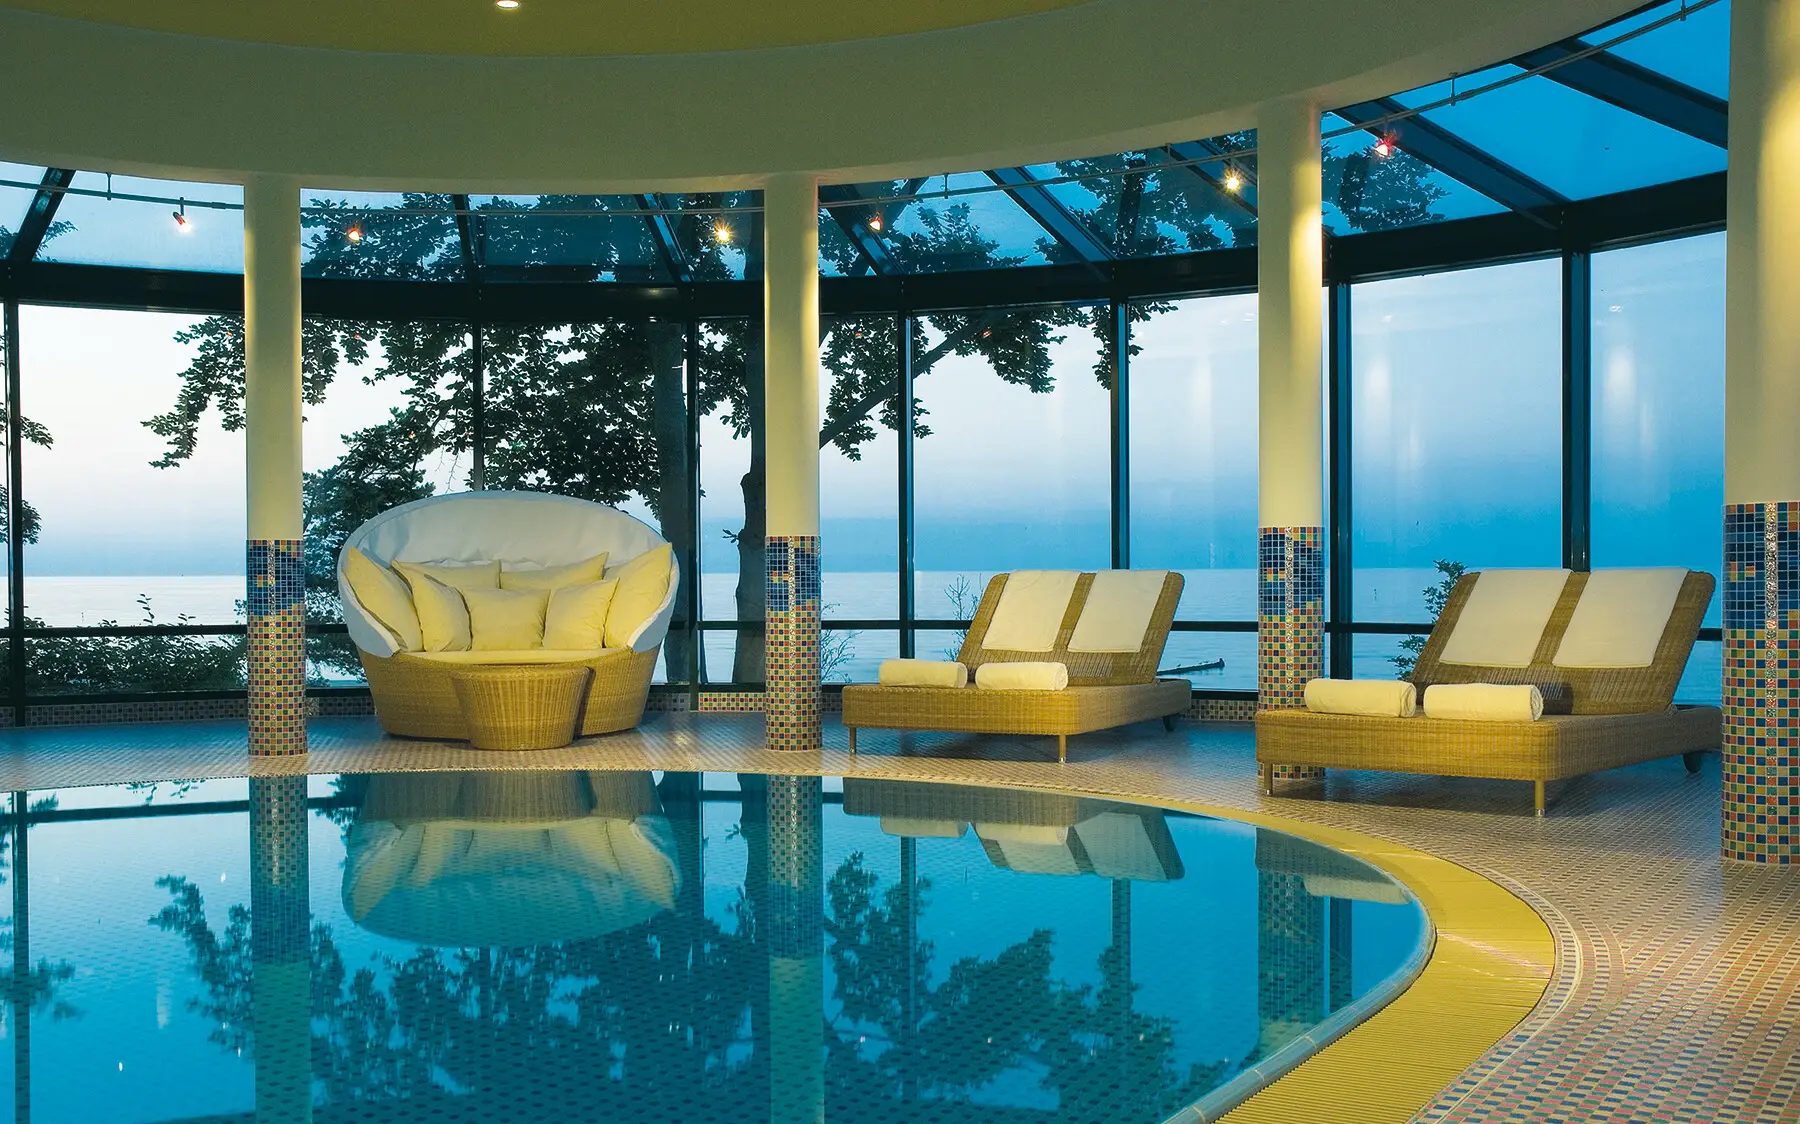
(1120, 336)
(15, 540)
(1337, 404)
(903, 324)
(1577, 413)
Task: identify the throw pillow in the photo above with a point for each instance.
(576, 618)
(643, 583)
(505, 619)
(385, 597)
(555, 577)
(443, 615)
(456, 575)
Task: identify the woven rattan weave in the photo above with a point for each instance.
(520, 706)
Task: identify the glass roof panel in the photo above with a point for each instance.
(936, 233)
(1577, 145)
(565, 238)
(1365, 191)
(379, 235)
(132, 232)
(1696, 50)
(1161, 210)
(711, 243)
(15, 201)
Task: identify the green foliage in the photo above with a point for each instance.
(1382, 192)
(85, 665)
(1435, 596)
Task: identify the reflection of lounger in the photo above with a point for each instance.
(1030, 832)
(1608, 681)
(508, 859)
(1324, 872)
(1112, 681)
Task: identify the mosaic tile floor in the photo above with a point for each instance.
(1677, 995)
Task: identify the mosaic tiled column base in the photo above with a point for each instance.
(791, 706)
(276, 674)
(1290, 623)
(1761, 750)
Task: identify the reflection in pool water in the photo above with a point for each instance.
(531, 947)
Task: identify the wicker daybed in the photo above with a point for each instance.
(1595, 718)
(412, 689)
(1106, 689)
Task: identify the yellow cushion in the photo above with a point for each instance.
(517, 655)
(555, 577)
(577, 615)
(443, 616)
(386, 598)
(643, 583)
(505, 619)
(456, 575)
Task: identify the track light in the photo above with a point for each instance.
(875, 223)
(1385, 147)
(722, 233)
(182, 223)
(354, 234)
(1233, 181)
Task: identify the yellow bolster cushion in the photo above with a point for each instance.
(577, 615)
(385, 597)
(505, 619)
(643, 583)
(555, 577)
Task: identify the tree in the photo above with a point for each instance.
(1435, 596)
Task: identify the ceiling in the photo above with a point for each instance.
(542, 27)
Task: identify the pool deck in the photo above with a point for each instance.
(1648, 981)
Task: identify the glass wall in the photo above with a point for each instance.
(1456, 432)
(1659, 417)
(859, 492)
(1011, 468)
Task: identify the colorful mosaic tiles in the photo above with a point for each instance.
(1762, 683)
(791, 705)
(1290, 623)
(276, 673)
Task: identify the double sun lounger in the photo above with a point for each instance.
(1108, 629)
(1606, 650)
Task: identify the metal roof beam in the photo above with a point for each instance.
(41, 214)
(1048, 212)
(1455, 157)
(662, 235)
(1633, 88)
(854, 222)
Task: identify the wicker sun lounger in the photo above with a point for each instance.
(1105, 689)
(1595, 718)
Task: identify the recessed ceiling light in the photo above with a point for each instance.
(506, 5)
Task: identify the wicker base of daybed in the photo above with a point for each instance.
(969, 710)
(1555, 748)
(414, 697)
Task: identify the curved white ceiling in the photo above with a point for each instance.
(1098, 77)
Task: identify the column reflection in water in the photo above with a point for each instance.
(796, 863)
(280, 923)
(19, 994)
(1290, 943)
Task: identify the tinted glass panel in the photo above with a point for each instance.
(1456, 429)
(380, 235)
(117, 231)
(15, 198)
(859, 505)
(1162, 209)
(1695, 50)
(1365, 190)
(565, 238)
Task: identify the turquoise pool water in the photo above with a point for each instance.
(636, 947)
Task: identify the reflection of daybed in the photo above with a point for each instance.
(503, 859)
(1028, 832)
(523, 531)
(1324, 873)
(1111, 681)
(1608, 677)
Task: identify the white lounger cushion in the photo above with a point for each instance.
(1030, 613)
(1484, 702)
(1022, 677)
(922, 673)
(1504, 618)
(1380, 697)
(1118, 609)
(1620, 618)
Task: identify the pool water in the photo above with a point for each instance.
(636, 947)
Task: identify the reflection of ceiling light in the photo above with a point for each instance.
(506, 5)
(721, 232)
(1233, 181)
(354, 234)
(182, 222)
(1386, 147)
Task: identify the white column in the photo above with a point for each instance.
(1290, 249)
(276, 574)
(1761, 761)
(791, 410)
